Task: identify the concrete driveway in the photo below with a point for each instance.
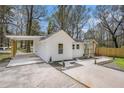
(36, 75)
(96, 76)
(24, 59)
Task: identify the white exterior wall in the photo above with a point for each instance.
(52, 44)
(41, 50)
(78, 52)
(49, 47)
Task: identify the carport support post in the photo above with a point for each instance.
(14, 46)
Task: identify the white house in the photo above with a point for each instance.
(54, 47)
(58, 46)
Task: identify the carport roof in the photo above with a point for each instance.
(23, 37)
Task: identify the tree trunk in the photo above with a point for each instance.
(8, 45)
(115, 41)
(77, 33)
(28, 46)
(1, 36)
(29, 25)
(21, 42)
(62, 17)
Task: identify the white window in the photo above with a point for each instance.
(73, 46)
(60, 48)
(78, 46)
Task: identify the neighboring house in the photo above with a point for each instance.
(55, 47)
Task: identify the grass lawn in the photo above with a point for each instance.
(4, 56)
(119, 62)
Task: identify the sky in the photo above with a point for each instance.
(92, 9)
(51, 10)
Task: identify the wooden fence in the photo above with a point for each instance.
(114, 52)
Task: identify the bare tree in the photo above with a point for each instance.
(6, 17)
(110, 19)
(33, 13)
(71, 19)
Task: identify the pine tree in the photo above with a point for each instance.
(49, 31)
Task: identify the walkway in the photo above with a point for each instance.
(24, 59)
(96, 76)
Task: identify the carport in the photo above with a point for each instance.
(14, 40)
(23, 58)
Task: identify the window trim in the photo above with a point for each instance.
(60, 50)
(73, 46)
(78, 46)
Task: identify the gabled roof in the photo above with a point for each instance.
(44, 37)
(14, 37)
(48, 36)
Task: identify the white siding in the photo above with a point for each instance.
(41, 50)
(49, 48)
(52, 44)
(78, 52)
